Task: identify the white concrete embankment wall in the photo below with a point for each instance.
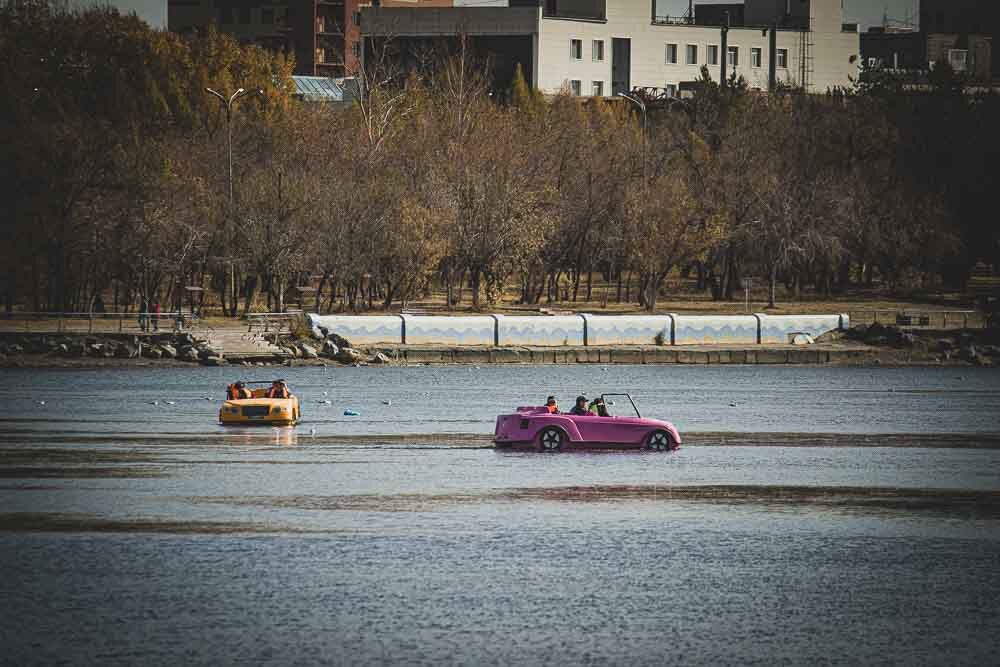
(574, 330)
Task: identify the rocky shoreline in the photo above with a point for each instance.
(874, 345)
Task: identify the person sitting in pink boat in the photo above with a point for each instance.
(580, 409)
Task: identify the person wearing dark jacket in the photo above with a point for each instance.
(580, 408)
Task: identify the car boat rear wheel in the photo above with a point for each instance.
(551, 439)
(659, 441)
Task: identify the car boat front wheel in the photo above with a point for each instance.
(660, 441)
(551, 439)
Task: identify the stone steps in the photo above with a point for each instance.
(237, 345)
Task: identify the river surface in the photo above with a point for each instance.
(813, 515)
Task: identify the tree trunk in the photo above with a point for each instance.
(476, 278)
(772, 285)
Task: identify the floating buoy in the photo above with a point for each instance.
(325, 401)
(351, 413)
(312, 431)
(324, 393)
(154, 402)
(171, 402)
(41, 402)
(732, 405)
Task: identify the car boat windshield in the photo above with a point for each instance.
(621, 405)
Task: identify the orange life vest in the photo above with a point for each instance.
(231, 392)
(245, 393)
(277, 391)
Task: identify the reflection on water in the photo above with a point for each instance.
(139, 533)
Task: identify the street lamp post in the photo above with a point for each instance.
(227, 104)
(642, 106)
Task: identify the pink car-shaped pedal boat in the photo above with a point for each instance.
(552, 432)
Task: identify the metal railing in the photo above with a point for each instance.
(59, 322)
(272, 322)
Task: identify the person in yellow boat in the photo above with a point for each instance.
(278, 390)
(238, 390)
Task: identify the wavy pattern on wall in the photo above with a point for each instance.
(442, 330)
(627, 329)
(546, 331)
(715, 329)
(555, 331)
(778, 328)
(361, 330)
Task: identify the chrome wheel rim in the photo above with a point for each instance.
(551, 440)
(659, 441)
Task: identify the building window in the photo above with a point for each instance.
(733, 59)
(958, 59)
(597, 50)
(782, 59)
(320, 56)
(671, 58)
(755, 57)
(357, 18)
(356, 49)
(692, 54)
(712, 55)
(576, 49)
(267, 16)
(574, 88)
(671, 89)
(597, 88)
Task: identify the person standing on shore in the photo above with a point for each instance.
(156, 316)
(143, 315)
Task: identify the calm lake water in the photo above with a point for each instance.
(140, 533)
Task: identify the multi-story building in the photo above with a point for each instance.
(957, 32)
(323, 35)
(604, 47)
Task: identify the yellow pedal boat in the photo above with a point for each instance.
(260, 409)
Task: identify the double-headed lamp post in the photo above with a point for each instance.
(227, 103)
(642, 107)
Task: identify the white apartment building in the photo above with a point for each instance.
(603, 47)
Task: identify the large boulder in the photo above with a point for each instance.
(153, 352)
(308, 351)
(214, 360)
(205, 352)
(349, 355)
(169, 351)
(802, 339)
(380, 358)
(330, 349)
(188, 354)
(125, 351)
(336, 338)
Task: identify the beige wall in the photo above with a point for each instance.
(830, 51)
